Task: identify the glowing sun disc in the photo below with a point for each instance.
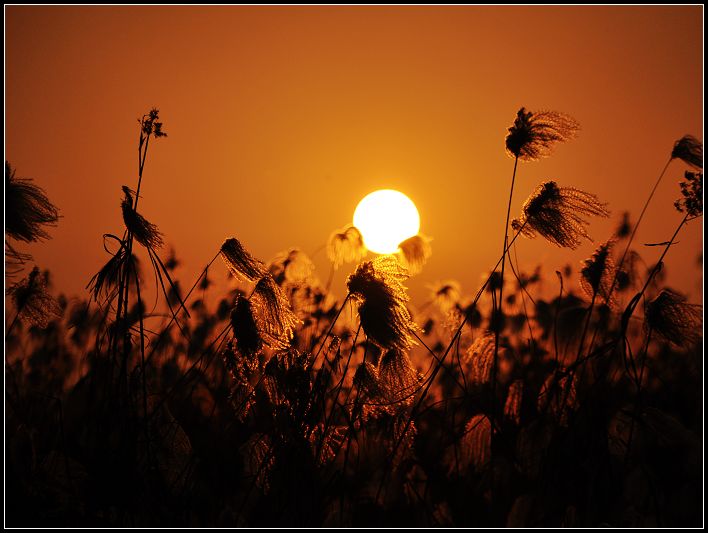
(386, 218)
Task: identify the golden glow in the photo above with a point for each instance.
(386, 218)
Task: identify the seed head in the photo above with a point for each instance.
(598, 273)
(445, 294)
(689, 150)
(291, 267)
(366, 379)
(32, 300)
(673, 318)
(346, 246)
(414, 252)
(480, 357)
(398, 379)
(556, 213)
(143, 231)
(241, 263)
(276, 319)
(27, 209)
(476, 443)
(533, 134)
(512, 407)
(378, 289)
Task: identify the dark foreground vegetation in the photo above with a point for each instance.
(276, 404)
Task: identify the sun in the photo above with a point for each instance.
(386, 218)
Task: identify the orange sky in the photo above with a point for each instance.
(281, 118)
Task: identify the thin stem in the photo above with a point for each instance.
(498, 325)
(638, 400)
(324, 340)
(636, 226)
(500, 311)
(142, 365)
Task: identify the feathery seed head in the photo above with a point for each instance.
(556, 213)
(512, 407)
(480, 357)
(276, 319)
(27, 209)
(398, 379)
(346, 246)
(241, 263)
(143, 231)
(32, 300)
(366, 379)
(598, 273)
(377, 286)
(672, 317)
(689, 150)
(292, 267)
(414, 252)
(446, 294)
(476, 443)
(533, 135)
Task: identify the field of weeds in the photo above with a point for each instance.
(277, 404)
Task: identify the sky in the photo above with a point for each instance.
(280, 119)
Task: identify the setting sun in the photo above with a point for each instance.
(386, 218)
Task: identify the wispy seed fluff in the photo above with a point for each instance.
(673, 318)
(292, 267)
(345, 246)
(692, 192)
(143, 231)
(512, 407)
(241, 263)
(445, 294)
(598, 273)
(689, 150)
(414, 252)
(27, 209)
(557, 213)
(32, 300)
(533, 134)
(277, 320)
(480, 357)
(366, 379)
(558, 395)
(398, 379)
(476, 443)
(377, 286)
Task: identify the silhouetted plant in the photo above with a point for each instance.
(556, 213)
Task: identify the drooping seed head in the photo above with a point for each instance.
(28, 211)
(673, 318)
(346, 246)
(414, 252)
(240, 262)
(143, 231)
(277, 321)
(689, 150)
(557, 213)
(377, 286)
(597, 274)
